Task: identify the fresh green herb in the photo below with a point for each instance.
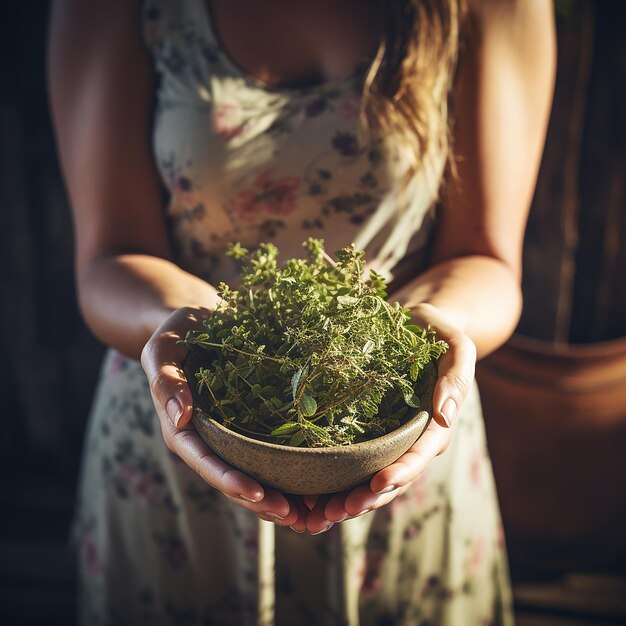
(310, 354)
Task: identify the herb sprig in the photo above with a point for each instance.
(309, 353)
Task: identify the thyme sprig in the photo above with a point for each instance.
(310, 353)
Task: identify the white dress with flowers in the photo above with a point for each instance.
(158, 546)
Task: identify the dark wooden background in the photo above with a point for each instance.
(575, 266)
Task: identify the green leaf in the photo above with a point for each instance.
(316, 430)
(295, 380)
(286, 429)
(401, 413)
(412, 400)
(258, 372)
(277, 402)
(414, 371)
(347, 300)
(308, 405)
(297, 439)
(417, 330)
(246, 371)
(256, 390)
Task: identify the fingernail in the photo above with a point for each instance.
(273, 515)
(296, 530)
(323, 530)
(363, 512)
(174, 410)
(448, 411)
(242, 497)
(388, 489)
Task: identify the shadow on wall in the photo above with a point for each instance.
(555, 395)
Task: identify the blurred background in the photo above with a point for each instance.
(554, 396)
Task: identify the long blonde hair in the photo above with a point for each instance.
(407, 86)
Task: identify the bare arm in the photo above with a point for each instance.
(502, 105)
(101, 94)
(471, 294)
(132, 296)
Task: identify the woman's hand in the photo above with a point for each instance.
(456, 373)
(162, 359)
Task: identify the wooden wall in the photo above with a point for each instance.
(575, 257)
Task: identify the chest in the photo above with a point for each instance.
(296, 42)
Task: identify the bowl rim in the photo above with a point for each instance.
(324, 449)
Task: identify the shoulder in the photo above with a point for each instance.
(510, 44)
(497, 10)
(509, 20)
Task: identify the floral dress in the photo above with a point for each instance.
(245, 162)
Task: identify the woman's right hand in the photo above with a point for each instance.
(162, 360)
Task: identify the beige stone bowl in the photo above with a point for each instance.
(315, 471)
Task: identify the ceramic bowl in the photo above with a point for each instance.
(315, 471)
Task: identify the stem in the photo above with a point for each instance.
(233, 349)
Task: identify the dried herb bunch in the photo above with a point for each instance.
(310, 354)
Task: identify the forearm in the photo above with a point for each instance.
(478, 294)
(124, 298)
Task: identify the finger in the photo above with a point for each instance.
(266, 509)
(456, 373)
(162, 358)
(362, 500)
(310, 501)
(316, 521)
(413, 462)
(299, 525)
(187, 444)
(456, 366)
(357, 502)
(335, 510)
(352, 503)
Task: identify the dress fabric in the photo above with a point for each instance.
(156, 545)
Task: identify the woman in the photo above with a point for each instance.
(276, 121)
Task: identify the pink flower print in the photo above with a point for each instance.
(244, 205)
(414, 497)
(145, 491)
(128, 472)
(91, 555)
(372, 579)
(225, 121)
(250, 540)
(475, 469)
(116, 364)
(182, 192)
(175, 553)
(349, 107)
(271, 196)
(412, 530)
(476, 557)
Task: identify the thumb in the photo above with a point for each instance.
(162, 360)
(455, 368)
(456, 373)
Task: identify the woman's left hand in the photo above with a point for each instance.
(456, 373)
